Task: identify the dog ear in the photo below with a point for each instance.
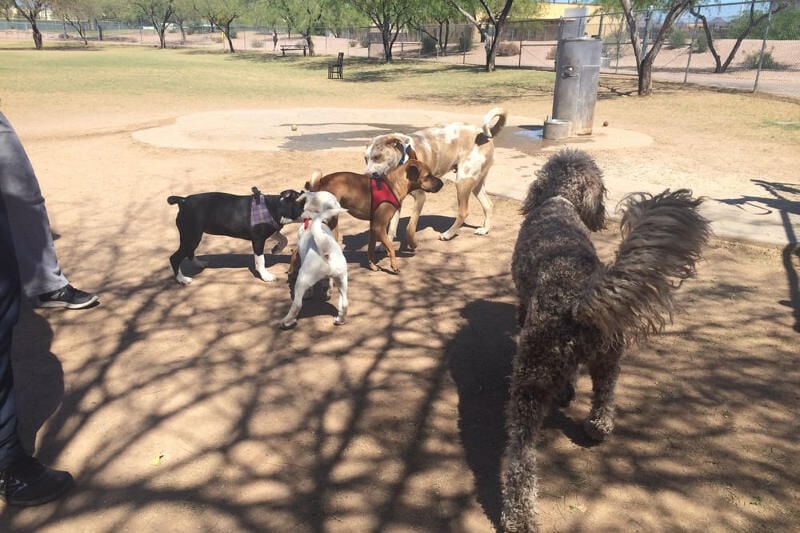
(290, 195)
(411, 153)
(413, 170)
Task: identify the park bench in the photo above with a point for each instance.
(335, 69)
(294, 47)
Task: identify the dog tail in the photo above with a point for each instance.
(172, 200)
(663, 237)
(313, 183)
(324, 243)
(491, 130)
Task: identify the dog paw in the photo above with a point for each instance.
(598, 429)
(266, 276)
(445, 236)
(183, 280)
(287, 325)
(374, 267)
(338, 321)
(482, 231)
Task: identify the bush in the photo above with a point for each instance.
(428, 45)
(677, 38)
(353, 44)
(768, 63)
(365, 42)
(551, 54)
(507, 48)
(257, 43)
(700, 44)
(465, 42)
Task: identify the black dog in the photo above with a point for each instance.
(254, 217)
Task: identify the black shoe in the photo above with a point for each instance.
(67, 297)
(27, 482)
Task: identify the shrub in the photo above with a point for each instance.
(353, 44)
(551, 54)
(768, 63)
(507, 48)
(428, 45)
(700, 44)
(365, 42)
(677, 38)
(465, 42)
(257, 43)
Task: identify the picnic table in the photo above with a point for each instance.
(294, 47)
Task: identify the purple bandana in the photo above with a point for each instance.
(259, 214)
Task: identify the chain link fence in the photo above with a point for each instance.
(766, 60)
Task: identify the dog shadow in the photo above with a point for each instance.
(232, 261)
(480, 361)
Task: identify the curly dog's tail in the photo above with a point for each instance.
(663, 237)
(498, 113)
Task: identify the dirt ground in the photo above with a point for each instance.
(186, 409)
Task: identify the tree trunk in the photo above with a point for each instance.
(227, 33)
(99, 30)
(310, 42)
(646, 76)
(162, 36)
(37, 36)
(386, 37)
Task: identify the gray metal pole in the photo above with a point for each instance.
(691, 46)
(763, 47)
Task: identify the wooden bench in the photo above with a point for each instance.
(335, 69)
(294, 47)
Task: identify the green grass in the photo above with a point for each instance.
(137, 71)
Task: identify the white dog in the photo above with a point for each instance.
(319, 255)
(468, 150)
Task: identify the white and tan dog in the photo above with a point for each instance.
(318, 254)
(465, 149)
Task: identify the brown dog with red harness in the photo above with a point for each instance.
(377, 198)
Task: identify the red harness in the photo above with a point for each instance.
(381, 192)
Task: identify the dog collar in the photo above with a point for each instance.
(405, 153)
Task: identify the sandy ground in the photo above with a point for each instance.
(185, 408)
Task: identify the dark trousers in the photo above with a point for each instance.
(10, 446)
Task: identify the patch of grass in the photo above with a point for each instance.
(139, 71)
(791, 126)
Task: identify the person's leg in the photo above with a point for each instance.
(24, 481)
(39, 269)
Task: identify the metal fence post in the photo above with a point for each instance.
(691, 47)
(763, 47)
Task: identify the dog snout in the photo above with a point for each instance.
(437, 184)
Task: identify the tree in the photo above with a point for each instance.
(305, 16)
(390, 16)
(442, 13)
(76, 13)
(495, 12)
(741, 27)
(221, 13)
(645, 57)
(30, 11)
(159, 14)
